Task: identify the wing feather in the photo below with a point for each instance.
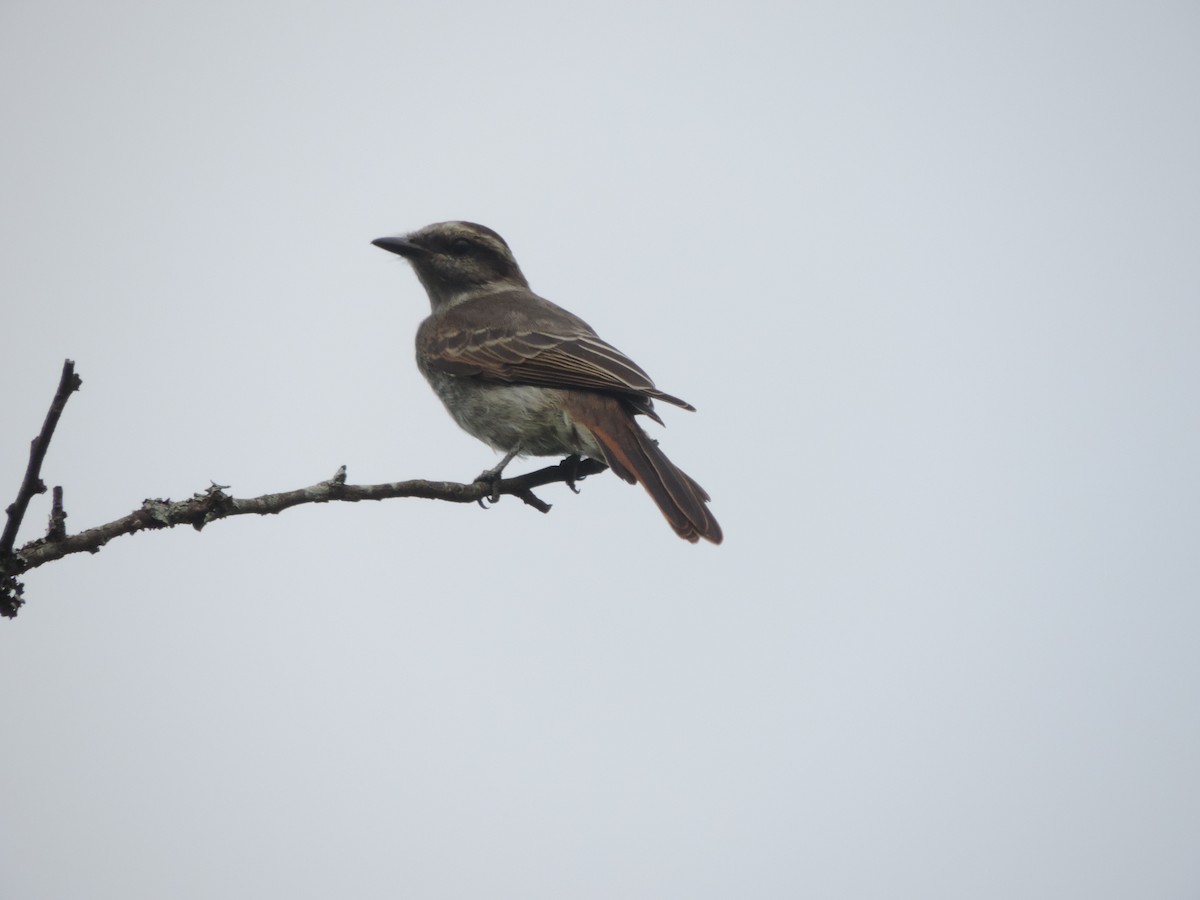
(536, 343)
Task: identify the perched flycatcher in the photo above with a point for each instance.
(531, 379)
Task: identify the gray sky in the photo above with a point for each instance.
(930, 274)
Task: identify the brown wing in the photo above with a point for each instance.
(519, 338)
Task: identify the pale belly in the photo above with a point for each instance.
(508, 417)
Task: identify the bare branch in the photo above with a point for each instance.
(214, 504)
(32, 483)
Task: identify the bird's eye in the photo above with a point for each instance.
(460, 246)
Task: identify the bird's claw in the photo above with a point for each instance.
(571, 466)
(491, 477)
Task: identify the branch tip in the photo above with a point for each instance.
(57, 529)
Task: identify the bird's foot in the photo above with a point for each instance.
(491, 477)
(570, 466)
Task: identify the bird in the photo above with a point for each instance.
(529, 378)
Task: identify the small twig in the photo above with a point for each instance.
(32, 483)
(532, 499)
(57, 530)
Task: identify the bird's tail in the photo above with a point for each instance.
(634, 456)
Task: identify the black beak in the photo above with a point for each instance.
(401, 245)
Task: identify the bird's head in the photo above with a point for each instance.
(457, 260)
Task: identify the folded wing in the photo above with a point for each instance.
(536, 344)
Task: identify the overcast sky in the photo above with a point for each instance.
(930, 272)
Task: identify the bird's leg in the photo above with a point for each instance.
(492, 476)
